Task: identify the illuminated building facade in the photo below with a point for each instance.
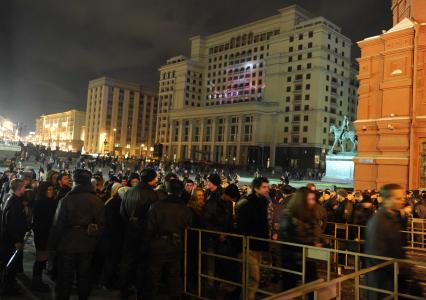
(264, 93)
(61, 130)
(8, 130)
(391, 125)
(121, 117)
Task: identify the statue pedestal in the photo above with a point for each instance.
(339, 168)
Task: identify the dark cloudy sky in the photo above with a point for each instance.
(50, 49)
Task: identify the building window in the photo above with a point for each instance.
(304, 140)
(233, 133)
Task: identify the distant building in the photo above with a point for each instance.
(8, 130)
(264, 93)
(62, 130)
(121, 117)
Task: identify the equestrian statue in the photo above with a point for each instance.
(343, 134)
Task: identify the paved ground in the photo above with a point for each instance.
(24, 281)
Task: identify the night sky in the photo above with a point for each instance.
(50, 49)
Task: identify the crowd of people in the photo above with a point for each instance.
(125, 230)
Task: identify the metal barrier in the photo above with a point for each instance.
(318, 288)
(415, 232)
(345, 236)
(247, 265)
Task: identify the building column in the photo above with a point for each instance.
(213, 139)
(202, 120)
(225, 138)
(169, 150)
(273, 144)
(191, 125)
(239, 132)
(179, 143)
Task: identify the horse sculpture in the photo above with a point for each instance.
(342, 135)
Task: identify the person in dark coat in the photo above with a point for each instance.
(216, 216)
(78, 222)
(252, 220)
(12, 232)
(213, 216)
(384, 238)
(196, 204)
(300, 225)
(165, 227)
(133, 210)
(112, 238)
(45, 206)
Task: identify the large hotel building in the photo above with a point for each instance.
(120, 118)
(64, 130)
(264, 93)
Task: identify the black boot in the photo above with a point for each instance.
(37, 283)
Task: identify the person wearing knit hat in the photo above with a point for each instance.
(148, 175)
(82, 176)
(215, 179)
(232, 192)
(133, 180)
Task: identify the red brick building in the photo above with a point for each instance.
(391, 119)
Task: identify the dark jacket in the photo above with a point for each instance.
(165, 226)
(43, 215)
(345, 211)
(383, 234)
(62, 192)
(331, 206)
(305, 231)
(114, 224)
(383, 239)
(13, 220)
(217, 214)
(362, 214)
(76, 211)
(252, 220)
(321, 214)
(137, 201)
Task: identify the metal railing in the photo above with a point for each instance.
(203, 246)
(346, 236)
(320, 289)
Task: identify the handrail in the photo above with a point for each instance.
(290, 294)
(307, 251)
